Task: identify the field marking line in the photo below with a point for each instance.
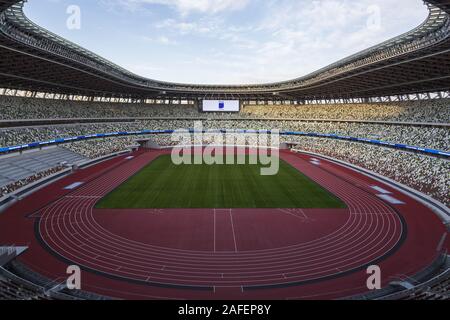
(290, 213)
(303, 213)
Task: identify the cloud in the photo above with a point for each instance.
(249, 41)
(183, 27)
(186, 7)
(158, 39)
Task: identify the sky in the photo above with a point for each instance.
(226, 41)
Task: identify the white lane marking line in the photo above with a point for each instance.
(83, 197)
(442, 242)
(234, 234)
(214, 230)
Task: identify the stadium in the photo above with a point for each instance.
(291, 190)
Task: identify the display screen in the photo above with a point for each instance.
(221, 106)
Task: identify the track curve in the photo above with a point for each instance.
(222, 253)
(69, 227)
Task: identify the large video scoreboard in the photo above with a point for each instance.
(221, 106)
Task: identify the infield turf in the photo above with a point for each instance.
(161, 184)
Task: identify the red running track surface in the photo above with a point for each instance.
(222, 253)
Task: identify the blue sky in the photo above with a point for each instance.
(228, 41)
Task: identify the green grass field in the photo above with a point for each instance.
(162, 184)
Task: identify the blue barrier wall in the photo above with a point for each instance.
(405, 147)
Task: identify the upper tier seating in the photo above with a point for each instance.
(14, 108)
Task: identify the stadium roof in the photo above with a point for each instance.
(34, 59)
